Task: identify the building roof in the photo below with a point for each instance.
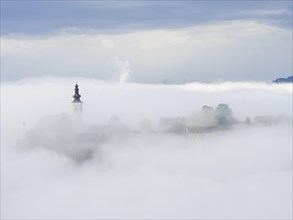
(76, 95)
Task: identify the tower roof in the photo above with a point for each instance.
(76, 95)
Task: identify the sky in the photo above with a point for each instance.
(158, 41)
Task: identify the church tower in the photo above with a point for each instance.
(77, 103)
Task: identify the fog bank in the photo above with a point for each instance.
(241, 172)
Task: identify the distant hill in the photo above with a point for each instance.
(284, 80)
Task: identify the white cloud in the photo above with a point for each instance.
(241, 173)
(123, 69)
(238, 50)
(107, 43)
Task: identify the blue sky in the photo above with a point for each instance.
(232, 33)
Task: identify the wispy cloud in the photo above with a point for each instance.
(271, 12)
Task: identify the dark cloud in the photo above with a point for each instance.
(48, 17)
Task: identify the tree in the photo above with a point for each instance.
(207, 116)
(224, 116)
(247, 121)
(207, 109)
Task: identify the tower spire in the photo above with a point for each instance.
(76, 95)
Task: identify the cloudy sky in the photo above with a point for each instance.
(149, 41)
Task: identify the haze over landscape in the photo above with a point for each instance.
(180, 118)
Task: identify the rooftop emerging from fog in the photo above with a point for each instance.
(76, 95)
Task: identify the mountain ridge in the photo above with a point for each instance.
(284, 80)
